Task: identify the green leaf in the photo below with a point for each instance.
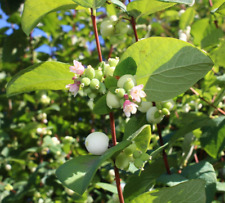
(213, 137)
(147, 178)
(77, 173)
(133, 125)
(146, 7)
(34, 11)
(166, 67)
(120, 4)
(205, 34)
(47, 75)
(90, 3)
(203, 170)
(108, 187)
(101, 107)
(220, 10)
(172, 179)
(158, 151)
(190, 191)
(217, 54)
(187, 18)
(110, 82)
(189, 2)
(220, 187)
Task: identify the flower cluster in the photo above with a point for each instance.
(121, 93)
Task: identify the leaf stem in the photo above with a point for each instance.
(112, 121)
(133, 23)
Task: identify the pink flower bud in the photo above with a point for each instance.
(77, 68)
(137, 93)
(129, 108)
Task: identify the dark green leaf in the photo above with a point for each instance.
(203, 170)
(110, 82)
(101, 107)
(47, 75)
(172, 179)
(190, 191)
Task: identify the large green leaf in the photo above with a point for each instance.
(34, 11)
(167, 67)
(90, 3)
(191, 191)
(217, 54)
(47, 75)
(146, 7)
(219, 7)
(77, 173)
(203, 170)
(213, 137)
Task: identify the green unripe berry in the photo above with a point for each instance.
(144, 157)
(113, 61)
(153, 115)
(165, 112)
(99, 74)
(107, 28)
(129, 84)
(144, 106)
(169, 104)
(102, 88)
(120, 92)
(121, 28)
(138, 163)
(137, 154)
(95, 84)
(112, 100)
(90, 72)
(85, 81)
(109, 70)
(124, 78)
(122, 161)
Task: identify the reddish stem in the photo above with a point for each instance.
(218, 109)
(134, 26)
(164, 153)
(96, 35)
(112, 122)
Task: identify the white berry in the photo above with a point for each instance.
(97, 143)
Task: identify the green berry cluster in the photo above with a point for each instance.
(131, 155)
(156, 113)
(92, 80)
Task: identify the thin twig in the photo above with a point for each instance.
(203, 99)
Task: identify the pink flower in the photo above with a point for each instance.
(73, 88)
(129, 107)
(77, 68)
(137, 93)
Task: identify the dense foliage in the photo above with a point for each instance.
(170, 142)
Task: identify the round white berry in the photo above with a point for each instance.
(97, 143)
(151, 115)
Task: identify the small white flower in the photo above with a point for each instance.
(55, 141)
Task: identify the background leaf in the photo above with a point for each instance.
(173, 67)
(101, 107)
(47, 75)
(145, 7)
(34, 11)
(190, 191)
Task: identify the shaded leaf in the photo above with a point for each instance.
(203, 170)
(101, 107)
(189, 191)
(47, 75)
